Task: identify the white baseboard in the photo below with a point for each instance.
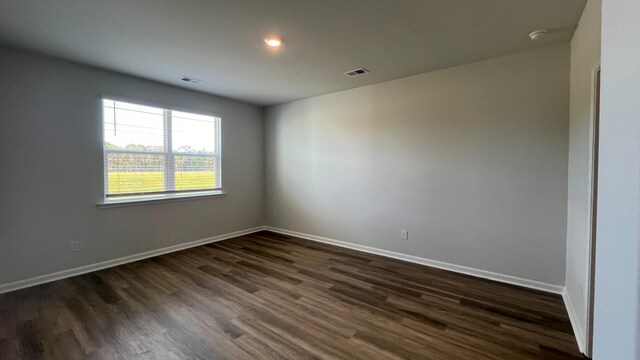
(577, 329)
(537, 285)
(532, 284)
(123, 260)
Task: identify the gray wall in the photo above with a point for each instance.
(472, 160)
(617, 297)
(51, 172)
(585, 59)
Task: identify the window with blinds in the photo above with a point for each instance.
(151, 151)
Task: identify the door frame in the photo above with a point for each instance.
(593, 203)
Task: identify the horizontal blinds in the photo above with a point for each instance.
(149, 150)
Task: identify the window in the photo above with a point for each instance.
(152, 152)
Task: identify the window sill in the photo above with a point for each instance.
(153, 199)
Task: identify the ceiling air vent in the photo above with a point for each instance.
(191, 80)
(356, 72)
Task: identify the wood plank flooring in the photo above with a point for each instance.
(269, 296)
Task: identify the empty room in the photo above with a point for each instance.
(330, 179)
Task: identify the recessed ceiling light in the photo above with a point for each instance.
(537, 35)
(273, 41)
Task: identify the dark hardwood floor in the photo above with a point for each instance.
(269, 296)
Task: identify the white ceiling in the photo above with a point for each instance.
(220, 41)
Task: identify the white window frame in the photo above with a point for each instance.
(169, 162)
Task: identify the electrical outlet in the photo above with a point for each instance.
(74, 246)
(404, 234)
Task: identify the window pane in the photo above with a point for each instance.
(193, 133)
(132, 127)
(134, 173)
(195, 172)
(137, 160)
